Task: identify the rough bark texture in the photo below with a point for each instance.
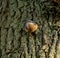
(16, 43)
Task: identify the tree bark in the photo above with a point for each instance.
(16, 43)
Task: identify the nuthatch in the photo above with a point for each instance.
(30, 26)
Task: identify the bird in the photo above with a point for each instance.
(30, 26)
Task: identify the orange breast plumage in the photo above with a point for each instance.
(31, 27)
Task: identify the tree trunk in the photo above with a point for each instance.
(16, 43)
